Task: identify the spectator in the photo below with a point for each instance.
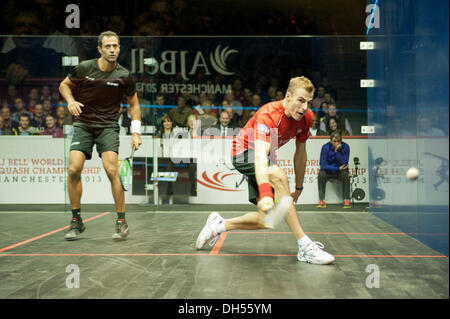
(159, 112)
(3, 129)
(33, 99)
(237, 91)
(193, 126)
(234, 118)
(55, 96)
(208, 118)
(57, 40)
(322, 112)
(271, 92)
(248, 97)
(24, 126)
(7, 121)
(235, 104)
(52, 129)
(256, 102)
(181, 113)
(315, 130)
(317, 101)
(199, 110)
(46, 93)
(341, 120)
(12, 95)
(279, 95)
(222, 128)
(329, 98)
(329, 88)
(333, 126)
(166, 128)
(334, 164)
(19, 105)
(60, 116)
(16, 65)
(38, 120)
(48, 108)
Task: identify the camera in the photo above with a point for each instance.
(356, 160)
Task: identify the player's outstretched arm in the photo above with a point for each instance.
(300, 158)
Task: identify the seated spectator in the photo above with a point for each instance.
(317, 101)
(52, 129)
(157, 112)
(166, 128)
(334, 164)
(24, 126)
(48, 107)
(271, 92)
(45, 93)
(315, 130)
(222, 128)
(238, 93)
(329, 98)
(16, 65)
(322, 112)
(248, 97)
(181, 113)
(202, 99)
(279, 95)
(60, 116)
(19, 105)
(341, 120)
(237, 105)
(33, 99)
(333, 126)
(329, 88)
(7, 121)
(208, 118)
(4, 130)
(38, 120)
(193, 126)
(234, 118)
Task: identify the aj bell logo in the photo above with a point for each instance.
(172, 61)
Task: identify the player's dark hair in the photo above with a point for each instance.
(106, 34)
(336, 135)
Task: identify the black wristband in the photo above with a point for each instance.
(299, 188)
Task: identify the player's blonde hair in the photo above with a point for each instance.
(300, 82)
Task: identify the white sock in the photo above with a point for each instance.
(305, 240)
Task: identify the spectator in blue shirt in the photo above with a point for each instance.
(334, 164)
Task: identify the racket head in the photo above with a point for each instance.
(125, 174)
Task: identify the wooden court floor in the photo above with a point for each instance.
(374, 260)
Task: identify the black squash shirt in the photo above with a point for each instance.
(100, 92)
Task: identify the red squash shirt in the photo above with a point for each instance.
(270, 124)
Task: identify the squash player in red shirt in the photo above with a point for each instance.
(273, 125)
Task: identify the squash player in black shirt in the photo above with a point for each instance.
(101, 84)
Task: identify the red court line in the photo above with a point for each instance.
(206, 254)
(49, 233)
(219, 243)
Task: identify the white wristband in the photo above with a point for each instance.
(136, 126)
